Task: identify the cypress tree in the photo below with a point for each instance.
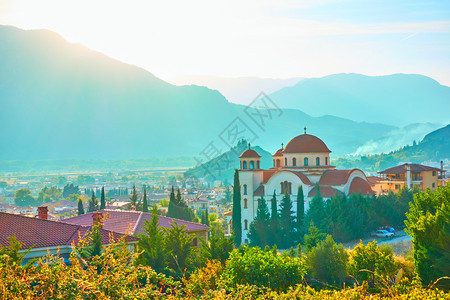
(172, 206)
(80, 207)
(103, 199)
(93, 203)
(287, 223)
(134, 196)
(144, 201)
(316, 211)
(237, 216)
(274, 220)
(259, 228)
(300, 213)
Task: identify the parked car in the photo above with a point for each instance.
(383, 233)
(390, 229)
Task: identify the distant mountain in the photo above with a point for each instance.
(241, 90)
(222, 167)
(63, 101)
(398, 99)
(434, 147)
(397, 138)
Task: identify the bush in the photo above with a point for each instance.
(327, 262)
(251, 265)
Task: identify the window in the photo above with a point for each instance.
(278, 163)
(285, 161)
(326, 161)
(245, 189)
(195, 242)
(294, 161)
(317, 161)
(397, 186)
(244, 164)
(245, 203)
(245, 225)
(433, 185)
(252, 165)
(257, 164)
(274, 163)
(286, 187)
(434, 173)
(306, 161)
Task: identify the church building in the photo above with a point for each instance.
(304, 161)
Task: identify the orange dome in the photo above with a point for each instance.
(279, 152)
(249, 153)
(306, 143)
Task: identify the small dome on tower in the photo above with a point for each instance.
(306, 143)
(249, 153)
(279, 152)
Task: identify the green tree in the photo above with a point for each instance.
(237, 216)
(171, 211)
(103, 199)
(134, 197)
(80, 206)
(94, 247)
(219, 246)
(93, 203)
(377, 260)
(316, 211)
(313, 237)
(144, 201)
(300, 213)
(287, 223)
(259, 229)
(428, 222)
(151, 243)
(23, 198)
(70, 189)
(327, 261)
(204, 217)
(274, 221)
(177, 245)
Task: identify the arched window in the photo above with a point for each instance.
(317, 161)
(252, 165)
(294, 161)
(257, 164)
(286, 187)
(245, 189)
(285, 161)
(282, 187)
(195, 242)
(274, 164)
(245, 203)
(245, 225)
(306, 161)
(290, 188)
(326, 161)
(244, 164)
(278, 163)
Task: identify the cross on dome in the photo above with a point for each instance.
(305, 129)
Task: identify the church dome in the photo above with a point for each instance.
(249, 153)
(306, 143)
(278, 153)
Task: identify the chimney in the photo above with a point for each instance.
(97, 217)
(442, 165)
(42, 212)
(133, 208)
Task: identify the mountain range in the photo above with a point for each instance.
(63, 101)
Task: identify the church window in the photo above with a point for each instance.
(245, 225)
(294, 161)
(286, 187)
(285, 161)
(317, 161)
(245, 203)
(244, 164)
(306, 161)
(326, 161)
(245, 189)
(252, 165)
(257, 164)
(195, 242)
(278, 163)
(290, 188)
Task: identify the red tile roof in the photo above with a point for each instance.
(373, 180)
(249, 153)
(414, 168)
(40, 233)
(259, 191)
(325, 191)
(335, 177)
(279, 152)
(359, 185)
(269, 173)
(132, 222)
(306, 143)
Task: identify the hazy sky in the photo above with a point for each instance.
(265, 38)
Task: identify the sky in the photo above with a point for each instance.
(263, 38)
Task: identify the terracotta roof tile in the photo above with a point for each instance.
(259, 191)
(306, 143)
(360, 185)
(40, 233)
(325, 191)
(131, 222)
(279, 152)
(335, 177)
(414, 168)
(249, 153)
(269, 173)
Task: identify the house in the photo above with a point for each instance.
(45, 236)
(409, 175)
(132, 222)
(305, 161)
